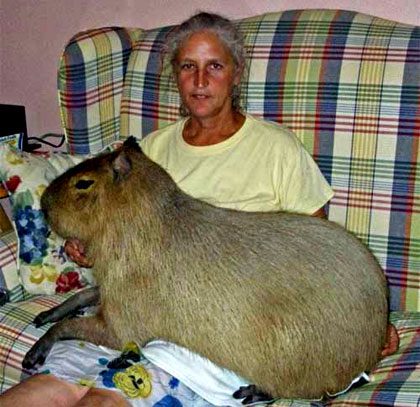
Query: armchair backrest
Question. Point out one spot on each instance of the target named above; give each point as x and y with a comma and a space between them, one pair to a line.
346, 83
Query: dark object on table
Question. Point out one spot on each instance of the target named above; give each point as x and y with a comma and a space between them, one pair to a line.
13, 121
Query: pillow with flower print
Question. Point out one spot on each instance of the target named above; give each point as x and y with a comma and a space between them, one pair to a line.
43, 265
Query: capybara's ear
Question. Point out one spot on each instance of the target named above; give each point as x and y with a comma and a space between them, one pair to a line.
132, 142
121, 166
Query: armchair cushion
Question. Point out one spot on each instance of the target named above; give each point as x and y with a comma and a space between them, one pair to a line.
10, 286
18, 334
394, 382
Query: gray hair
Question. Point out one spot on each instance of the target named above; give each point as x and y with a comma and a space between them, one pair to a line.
226, 32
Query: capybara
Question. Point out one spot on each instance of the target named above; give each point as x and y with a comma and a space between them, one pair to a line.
293, 303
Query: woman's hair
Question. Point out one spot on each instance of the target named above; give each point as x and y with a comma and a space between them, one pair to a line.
226, 32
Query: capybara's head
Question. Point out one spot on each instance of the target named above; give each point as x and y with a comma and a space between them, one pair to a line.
107, 191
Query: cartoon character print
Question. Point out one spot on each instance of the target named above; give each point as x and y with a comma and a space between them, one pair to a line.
134, 382
126, 374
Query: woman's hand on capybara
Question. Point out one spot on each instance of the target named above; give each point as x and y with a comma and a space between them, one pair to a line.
75, 250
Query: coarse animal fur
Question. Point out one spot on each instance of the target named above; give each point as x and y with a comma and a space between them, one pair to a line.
293, 303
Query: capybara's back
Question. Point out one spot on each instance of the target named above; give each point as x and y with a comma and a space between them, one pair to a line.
293, 303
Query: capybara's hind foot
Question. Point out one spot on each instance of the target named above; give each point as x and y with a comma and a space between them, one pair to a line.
37, 354
251, 394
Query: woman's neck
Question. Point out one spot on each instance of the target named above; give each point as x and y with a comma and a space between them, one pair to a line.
213, 130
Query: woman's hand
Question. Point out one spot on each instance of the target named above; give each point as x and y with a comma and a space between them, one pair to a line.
75, 249
392, 341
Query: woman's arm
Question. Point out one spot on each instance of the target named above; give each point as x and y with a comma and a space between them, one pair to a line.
320, 213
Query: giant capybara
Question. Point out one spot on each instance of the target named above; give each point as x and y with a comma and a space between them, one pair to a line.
293, 303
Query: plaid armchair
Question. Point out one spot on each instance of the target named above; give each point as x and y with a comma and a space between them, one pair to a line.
346, 83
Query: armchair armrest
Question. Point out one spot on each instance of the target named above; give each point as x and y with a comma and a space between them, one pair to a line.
90, 83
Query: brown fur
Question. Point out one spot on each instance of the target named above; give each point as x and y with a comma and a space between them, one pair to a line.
293, 303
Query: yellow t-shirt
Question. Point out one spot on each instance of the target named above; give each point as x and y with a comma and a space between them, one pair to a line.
262, 167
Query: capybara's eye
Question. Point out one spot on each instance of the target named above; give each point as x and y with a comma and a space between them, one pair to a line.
84, 183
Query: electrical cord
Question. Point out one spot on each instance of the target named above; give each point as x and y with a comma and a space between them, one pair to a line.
39, 141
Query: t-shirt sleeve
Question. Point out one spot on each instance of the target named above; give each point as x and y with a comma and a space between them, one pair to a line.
302, 188
154, 147
145, 144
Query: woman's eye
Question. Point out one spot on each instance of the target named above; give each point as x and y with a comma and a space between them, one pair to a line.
216, 66
187, 66
83, 184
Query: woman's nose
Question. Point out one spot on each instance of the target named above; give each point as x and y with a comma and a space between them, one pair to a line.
201, 80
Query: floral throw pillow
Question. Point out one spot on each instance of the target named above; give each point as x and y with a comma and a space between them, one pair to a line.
44, 267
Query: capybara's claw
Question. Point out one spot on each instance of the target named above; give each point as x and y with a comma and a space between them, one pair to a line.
251, 394
36, 355
42, 318
242, 392
30, 360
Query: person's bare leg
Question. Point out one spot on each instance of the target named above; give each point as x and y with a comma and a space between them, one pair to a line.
103, 398
43, 390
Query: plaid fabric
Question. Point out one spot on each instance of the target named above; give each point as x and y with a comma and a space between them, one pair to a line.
348, 85
18, 334
150, 98
9, 278
90, 83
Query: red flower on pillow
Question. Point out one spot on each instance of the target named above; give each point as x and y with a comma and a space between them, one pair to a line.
12, 183
67, 282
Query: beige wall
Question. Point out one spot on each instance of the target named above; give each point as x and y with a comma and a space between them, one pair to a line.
33, 33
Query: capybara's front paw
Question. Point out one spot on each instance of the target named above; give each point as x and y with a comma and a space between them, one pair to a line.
36, 355
54, 315
251, 394
43, 318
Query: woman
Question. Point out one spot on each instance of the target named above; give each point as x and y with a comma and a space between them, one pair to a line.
217, 153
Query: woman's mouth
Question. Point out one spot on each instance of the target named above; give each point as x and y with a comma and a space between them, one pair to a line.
200, 96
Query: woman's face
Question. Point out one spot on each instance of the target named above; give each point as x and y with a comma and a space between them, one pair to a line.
205, 74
